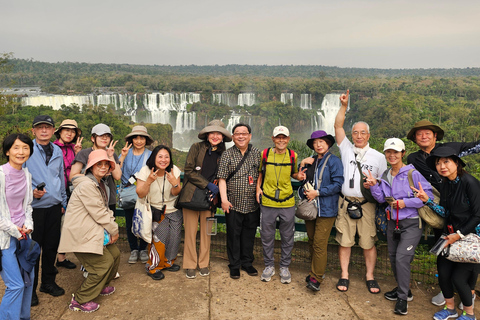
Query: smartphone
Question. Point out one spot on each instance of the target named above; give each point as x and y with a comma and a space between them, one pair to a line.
40, 186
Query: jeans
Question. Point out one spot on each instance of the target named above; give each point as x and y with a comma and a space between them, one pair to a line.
17, 298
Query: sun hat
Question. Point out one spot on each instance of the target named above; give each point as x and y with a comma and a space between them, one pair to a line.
442, 152
215, 126
281, 130
394, 144
43, 119
97, 156
69, 124
320, 134
101, 129
140, 131
425, 124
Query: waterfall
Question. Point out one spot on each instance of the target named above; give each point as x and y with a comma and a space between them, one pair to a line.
287, 98
224, 98
246, 99
56, 101
306, 101
328, 112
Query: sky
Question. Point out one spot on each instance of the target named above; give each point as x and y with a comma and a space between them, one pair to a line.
343, 33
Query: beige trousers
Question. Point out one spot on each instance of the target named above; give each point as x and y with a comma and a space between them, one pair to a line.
190, 225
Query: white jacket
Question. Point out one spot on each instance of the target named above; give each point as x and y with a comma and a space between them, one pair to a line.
7, 227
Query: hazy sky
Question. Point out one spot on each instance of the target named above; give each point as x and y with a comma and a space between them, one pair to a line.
344, 33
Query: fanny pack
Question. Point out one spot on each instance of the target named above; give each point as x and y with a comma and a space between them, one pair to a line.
354, 208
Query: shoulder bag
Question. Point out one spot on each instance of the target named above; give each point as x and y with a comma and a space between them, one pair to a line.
142, 220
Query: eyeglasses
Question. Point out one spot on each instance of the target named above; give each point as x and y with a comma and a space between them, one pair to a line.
241, 134
102, 164
359, 133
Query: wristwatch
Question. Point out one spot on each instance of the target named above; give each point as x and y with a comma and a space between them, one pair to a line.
175, 186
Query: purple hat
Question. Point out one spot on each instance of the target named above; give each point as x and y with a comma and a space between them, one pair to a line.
320, 134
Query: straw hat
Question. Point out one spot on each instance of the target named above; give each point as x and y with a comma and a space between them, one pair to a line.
140, 131
97, 156
215, 126
69, 124
425, 124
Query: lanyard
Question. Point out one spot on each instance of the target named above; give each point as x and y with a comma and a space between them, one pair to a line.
275, 167
397, 215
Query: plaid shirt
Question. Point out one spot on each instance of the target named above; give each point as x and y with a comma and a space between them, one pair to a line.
240, 192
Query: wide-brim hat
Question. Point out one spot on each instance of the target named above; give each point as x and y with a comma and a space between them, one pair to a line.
215, 126
140, 131
442, 152
425, 124
97, 156
68, 124
320, 134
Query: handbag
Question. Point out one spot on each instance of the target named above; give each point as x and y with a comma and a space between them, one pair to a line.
127, 197
307, 210
200, 200
466, 250
142, 220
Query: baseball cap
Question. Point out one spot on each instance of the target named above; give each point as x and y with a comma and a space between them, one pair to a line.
43, 119
394, 144
101, 129
281, 130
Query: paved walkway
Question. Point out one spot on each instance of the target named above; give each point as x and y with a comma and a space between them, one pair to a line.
219, 297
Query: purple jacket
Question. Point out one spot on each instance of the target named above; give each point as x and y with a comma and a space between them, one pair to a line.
400, 190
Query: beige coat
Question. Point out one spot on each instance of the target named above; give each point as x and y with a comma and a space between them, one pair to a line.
86, 217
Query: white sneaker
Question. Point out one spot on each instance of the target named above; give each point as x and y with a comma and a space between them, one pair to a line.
267, 273
460, 306
285, 276
439, 299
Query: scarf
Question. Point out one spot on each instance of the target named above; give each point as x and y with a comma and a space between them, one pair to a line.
360, 152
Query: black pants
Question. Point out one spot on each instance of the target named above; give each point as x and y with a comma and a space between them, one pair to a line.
241, 229
460, 275
134, 242
46, 231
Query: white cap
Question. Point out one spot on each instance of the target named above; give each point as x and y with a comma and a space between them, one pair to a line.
101, 129
281, 130
394, 144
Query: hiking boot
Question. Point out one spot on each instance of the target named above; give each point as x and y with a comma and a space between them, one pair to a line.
191, 274
144, 256
401, 307
157, 275
268, 273
133, 256
460, 305
52, 289
439, 299
445, 314
34, 299
107, 291
204, 272
66, 264
393, 295
313, 284
86, 307
285, 276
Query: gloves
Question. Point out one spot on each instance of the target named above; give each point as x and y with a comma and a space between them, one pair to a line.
213, 189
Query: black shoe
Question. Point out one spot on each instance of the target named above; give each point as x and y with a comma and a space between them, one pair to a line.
307, 279
173, 268
157, 275
235, 273
34, 299
313, 284
66, 264
393, 295
401, 307
55, 270
52, 289
251, 271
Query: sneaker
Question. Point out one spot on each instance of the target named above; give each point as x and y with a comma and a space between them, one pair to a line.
460, 306
268, 273
393, 295
172, 268
464, 316
157, 275
133, 256
66, 264
144, 256
52, 289
204, 272
191, 274
285, 276
34, 299
313, 284
439, 299
445, 314
401, 307
107, 291
86, 307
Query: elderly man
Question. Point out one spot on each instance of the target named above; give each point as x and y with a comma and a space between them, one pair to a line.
426, 134
356, 158
237, 174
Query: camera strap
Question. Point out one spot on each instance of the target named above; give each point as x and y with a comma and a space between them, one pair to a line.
397, 215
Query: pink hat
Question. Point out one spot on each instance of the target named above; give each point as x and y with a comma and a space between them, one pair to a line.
97, 156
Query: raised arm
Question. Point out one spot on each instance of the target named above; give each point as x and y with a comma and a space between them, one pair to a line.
340, 118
